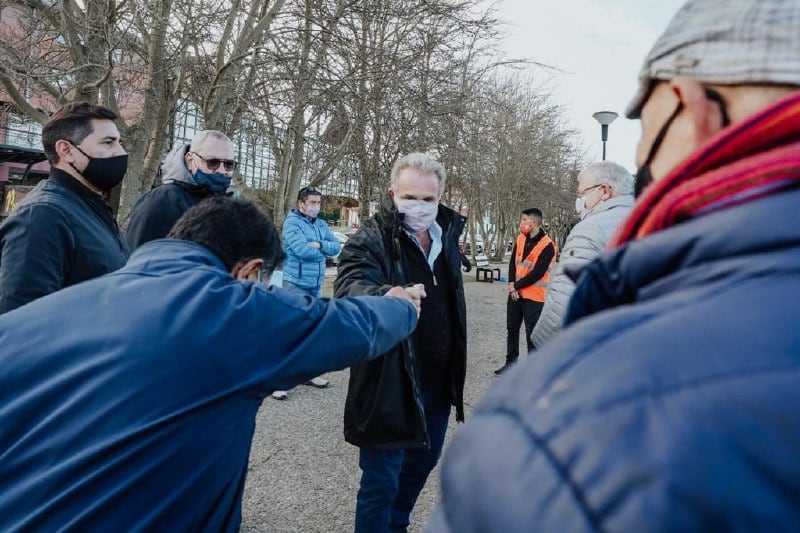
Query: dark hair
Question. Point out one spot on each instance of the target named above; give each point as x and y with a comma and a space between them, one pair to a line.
305, 192
72, 123
234, 229
533, 212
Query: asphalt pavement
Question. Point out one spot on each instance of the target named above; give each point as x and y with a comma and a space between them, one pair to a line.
304, 477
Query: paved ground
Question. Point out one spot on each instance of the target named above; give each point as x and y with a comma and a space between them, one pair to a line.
303, 476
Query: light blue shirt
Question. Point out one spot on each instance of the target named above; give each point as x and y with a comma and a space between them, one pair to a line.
435, 232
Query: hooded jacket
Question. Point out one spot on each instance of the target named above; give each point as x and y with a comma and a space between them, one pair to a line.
586, 241
672, 407
383, 408
304, 265
129, 401
157, 210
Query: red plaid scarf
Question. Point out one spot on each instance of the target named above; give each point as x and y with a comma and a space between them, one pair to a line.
755, 158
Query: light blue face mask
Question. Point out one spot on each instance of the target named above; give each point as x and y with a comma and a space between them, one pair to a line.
216, 183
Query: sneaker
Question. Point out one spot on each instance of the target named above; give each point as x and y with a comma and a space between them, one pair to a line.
318, 382
503, 368
280, 395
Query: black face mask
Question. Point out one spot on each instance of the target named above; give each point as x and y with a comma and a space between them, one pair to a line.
643, 175
105, 173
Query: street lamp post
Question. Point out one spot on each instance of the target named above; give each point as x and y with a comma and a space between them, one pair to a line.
604, 118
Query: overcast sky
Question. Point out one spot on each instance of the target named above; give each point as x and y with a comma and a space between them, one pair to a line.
600, 46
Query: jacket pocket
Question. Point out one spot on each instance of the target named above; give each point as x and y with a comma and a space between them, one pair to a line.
381, 406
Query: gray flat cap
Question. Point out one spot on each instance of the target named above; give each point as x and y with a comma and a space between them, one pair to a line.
726, 42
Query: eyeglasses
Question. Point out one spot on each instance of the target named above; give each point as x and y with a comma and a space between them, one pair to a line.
213, 163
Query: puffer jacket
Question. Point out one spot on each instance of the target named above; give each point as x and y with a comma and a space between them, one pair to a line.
383, 408
586, 241
668, 403
157, 210
304, 265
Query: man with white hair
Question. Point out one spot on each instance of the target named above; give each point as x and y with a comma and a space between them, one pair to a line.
670, 400
398, 407
605, 196
190, 173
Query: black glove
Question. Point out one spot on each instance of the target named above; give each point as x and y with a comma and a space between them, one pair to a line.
465, 263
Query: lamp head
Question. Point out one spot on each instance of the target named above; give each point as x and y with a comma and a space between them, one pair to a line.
605, 117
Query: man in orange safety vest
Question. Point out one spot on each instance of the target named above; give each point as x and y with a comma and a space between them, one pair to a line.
528, 273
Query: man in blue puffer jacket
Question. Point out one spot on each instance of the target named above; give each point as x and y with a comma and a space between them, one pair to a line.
670, 400
307, 241
129, 401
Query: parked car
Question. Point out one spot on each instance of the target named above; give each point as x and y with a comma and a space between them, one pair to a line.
334, 259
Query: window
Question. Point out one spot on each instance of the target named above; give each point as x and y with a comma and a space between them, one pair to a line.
24, 132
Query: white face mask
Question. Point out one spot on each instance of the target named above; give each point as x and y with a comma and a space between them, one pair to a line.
580, 203
312, 211
418, 215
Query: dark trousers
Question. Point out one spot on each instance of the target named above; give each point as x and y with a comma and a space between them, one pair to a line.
516, 312
391, 480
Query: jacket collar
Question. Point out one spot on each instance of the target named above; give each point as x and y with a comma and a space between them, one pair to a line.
166, 255
65, 179
740, 242
625, 200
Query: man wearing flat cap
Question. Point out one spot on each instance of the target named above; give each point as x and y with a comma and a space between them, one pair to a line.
670, 400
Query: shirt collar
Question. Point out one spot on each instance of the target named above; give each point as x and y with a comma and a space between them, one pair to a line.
435, 231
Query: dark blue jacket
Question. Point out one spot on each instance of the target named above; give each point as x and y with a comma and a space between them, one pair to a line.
62, 233
129, 402
670, 403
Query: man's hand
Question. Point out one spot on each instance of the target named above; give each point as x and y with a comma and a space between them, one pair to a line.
315, 244
514, 293
413, 293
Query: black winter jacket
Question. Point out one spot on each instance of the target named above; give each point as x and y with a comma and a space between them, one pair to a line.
383, 408
62, 233
157, 211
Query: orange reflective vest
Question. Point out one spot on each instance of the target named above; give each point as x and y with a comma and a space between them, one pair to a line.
523, 267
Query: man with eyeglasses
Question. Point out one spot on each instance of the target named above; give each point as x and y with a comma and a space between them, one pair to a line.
670, 400
605, 197
190, 173
306, 241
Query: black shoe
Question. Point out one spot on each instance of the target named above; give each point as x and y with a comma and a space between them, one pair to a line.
505, 367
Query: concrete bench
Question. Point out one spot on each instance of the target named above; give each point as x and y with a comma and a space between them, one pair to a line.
483, 271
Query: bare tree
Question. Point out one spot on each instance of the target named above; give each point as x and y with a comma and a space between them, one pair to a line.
516, 153
337, 87
136, 57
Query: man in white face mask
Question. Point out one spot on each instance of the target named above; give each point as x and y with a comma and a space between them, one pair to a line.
307, 241
604, 200
398, 406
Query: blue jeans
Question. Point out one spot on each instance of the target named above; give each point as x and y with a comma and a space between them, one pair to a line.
315, 292
391, 480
